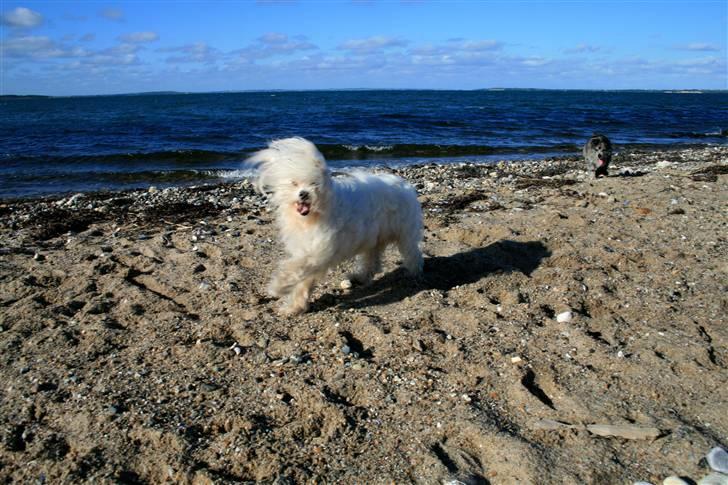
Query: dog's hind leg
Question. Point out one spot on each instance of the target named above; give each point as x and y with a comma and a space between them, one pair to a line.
409, 248
368, 264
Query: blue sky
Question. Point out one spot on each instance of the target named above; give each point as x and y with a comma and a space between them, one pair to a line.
86, 47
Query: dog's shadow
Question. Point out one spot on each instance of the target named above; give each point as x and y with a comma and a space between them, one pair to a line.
444, 273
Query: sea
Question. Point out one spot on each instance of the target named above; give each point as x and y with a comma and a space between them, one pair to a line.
57, 145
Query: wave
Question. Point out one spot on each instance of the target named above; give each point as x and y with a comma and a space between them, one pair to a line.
182, 158
408, 150
162, 177
720, 133
197, 162
176, 157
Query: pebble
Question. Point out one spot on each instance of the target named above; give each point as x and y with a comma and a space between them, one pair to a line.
564, 317
204, 286
627, 431
346, 350
345, 284
714, 479
38, 257
674, 480
718, 459
642, 483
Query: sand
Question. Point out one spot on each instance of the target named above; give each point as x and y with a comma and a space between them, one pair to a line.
138, 346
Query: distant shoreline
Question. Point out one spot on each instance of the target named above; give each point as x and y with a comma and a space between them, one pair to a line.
8, 97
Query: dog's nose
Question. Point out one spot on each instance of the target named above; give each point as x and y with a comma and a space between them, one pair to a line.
303, 194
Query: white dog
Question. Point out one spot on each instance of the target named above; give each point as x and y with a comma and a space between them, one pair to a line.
325, 220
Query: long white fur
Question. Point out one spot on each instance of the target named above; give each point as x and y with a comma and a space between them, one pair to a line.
358, 214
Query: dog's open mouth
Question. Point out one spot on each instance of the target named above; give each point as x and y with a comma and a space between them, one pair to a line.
602, 162
303, 208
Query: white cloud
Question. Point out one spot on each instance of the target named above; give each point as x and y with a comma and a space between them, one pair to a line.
583, 49
273, 38
36, 47
22, 17
699, 47
272, 45
139, 37
112, 14
481, 45
372, 44
198, 52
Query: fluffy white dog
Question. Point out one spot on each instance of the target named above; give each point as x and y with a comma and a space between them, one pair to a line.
325, 220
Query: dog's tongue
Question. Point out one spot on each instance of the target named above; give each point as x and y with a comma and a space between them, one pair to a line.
303, 208
601, 162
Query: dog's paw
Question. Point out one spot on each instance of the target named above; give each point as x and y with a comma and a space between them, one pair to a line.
274, 290
291, 310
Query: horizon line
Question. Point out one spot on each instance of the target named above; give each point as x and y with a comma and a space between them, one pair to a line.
494, 89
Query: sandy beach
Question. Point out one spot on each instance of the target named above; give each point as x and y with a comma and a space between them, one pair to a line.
566, 330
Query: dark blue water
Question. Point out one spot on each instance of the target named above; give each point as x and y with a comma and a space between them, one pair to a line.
56, 145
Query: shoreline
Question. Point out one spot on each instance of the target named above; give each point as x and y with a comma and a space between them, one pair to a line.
138, 343
368, 157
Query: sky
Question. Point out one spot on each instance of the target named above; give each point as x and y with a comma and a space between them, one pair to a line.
86, 47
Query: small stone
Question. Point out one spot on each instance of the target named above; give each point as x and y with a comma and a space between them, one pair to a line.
204, 286
642, 483
345, 284
199, 268
718, 459
466, 398
714, 479
674, 480
564, 317
153, 189
346, 350
515, 359
38, 257
627, 431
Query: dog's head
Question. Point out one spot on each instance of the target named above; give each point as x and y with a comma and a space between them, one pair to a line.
602, 148
294, 173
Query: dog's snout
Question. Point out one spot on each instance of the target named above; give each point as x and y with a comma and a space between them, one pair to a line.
304, 194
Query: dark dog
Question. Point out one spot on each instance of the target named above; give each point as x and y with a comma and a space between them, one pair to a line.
598, 154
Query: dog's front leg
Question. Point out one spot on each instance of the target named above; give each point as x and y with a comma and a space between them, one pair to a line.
285, 278
293, 282
297, 301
